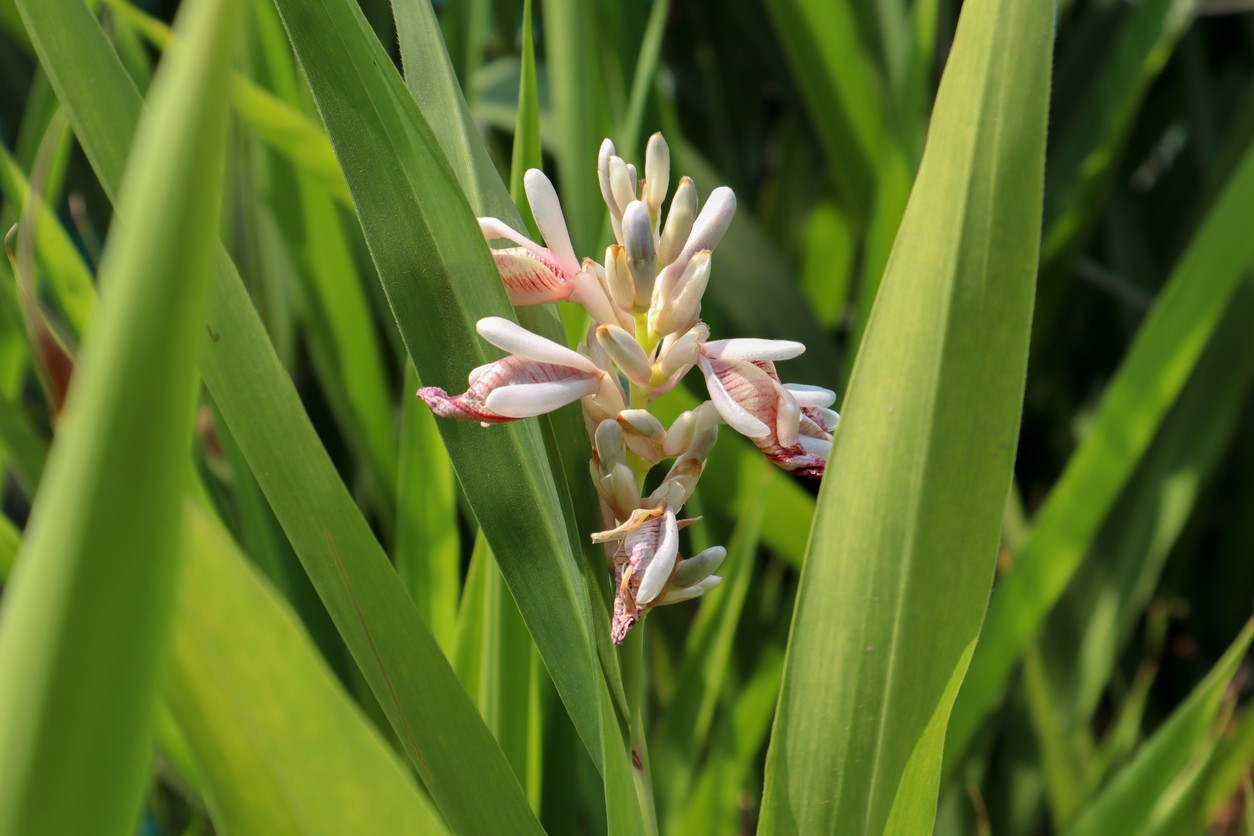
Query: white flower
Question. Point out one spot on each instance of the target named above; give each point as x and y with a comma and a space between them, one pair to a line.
533, 274
745, 389
539, 377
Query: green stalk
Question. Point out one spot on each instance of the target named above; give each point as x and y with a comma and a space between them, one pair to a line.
633, 684
633, 645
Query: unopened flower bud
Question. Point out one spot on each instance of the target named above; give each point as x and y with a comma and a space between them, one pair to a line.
603, 177
618, 277
687, 427
676, 594
707, 231
678, 355
643, 422
679, 220
622, 183
643, 433
699, 567
676, 307
641, 256
626, 354
657, 172
610, 448
681, 481
618, 488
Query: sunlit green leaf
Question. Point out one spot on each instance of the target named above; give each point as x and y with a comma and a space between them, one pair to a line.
910, 509
84, 622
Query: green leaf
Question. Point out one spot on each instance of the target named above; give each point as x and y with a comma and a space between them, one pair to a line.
750, 288
430, 79
68, 277
433, 86
576, 84
1141, 794
25, 449
1154, 371
718, 793
840, 86
414, 213
278, 745
428, 547
10, 542
1093, 130
1228, 767
642, 82
909, 514
708, 652
1108, 594
85, 618
435, 721
527, 152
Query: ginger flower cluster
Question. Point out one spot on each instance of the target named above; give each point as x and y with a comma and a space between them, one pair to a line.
646, 334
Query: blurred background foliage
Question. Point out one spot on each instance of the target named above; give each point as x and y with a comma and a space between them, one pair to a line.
816, 114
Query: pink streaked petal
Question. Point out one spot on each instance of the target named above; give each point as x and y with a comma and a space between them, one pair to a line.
798, 462
525, 400
530, 279
508, 372
743, 394
444, 406
547, 210
754, 349
658, 571
494, 228
512, 337
828, 419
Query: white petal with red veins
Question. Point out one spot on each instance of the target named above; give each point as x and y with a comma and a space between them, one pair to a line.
737, 417
512, 337
547, 210
493, 228
525, 400
658, 572
530, 279
830, 418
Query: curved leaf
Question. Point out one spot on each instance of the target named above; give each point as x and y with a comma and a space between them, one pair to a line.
894, 586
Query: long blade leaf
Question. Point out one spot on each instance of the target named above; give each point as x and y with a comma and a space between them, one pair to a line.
901, 555
85, 620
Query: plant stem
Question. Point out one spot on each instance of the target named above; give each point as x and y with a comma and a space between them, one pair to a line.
633, 683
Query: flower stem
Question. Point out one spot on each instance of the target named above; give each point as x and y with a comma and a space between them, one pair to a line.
633, 683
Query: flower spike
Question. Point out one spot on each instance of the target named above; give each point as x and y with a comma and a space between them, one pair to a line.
646, 335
